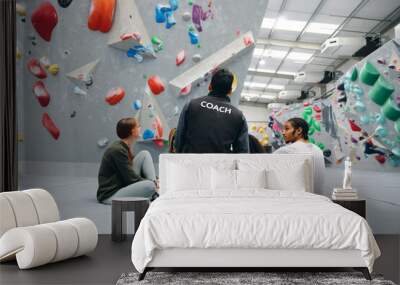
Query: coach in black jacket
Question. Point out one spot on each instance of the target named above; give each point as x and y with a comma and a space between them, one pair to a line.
210, 124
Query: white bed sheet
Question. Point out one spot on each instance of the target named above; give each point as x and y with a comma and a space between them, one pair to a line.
252, 218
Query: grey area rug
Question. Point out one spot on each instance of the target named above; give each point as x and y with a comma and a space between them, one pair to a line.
229, 278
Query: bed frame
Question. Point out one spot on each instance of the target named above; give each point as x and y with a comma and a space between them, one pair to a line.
242, 259
250, 258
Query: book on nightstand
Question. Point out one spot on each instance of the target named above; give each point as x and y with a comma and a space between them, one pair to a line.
344, 194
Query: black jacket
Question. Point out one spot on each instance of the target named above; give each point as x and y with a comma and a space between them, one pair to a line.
210, 124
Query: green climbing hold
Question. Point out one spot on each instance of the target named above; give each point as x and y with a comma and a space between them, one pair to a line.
320, 145
391, 111
397, 126
190, 2
369, 74
317, 125
354, 74
308, 110
311, 131
198, 46
311, 140
381, 91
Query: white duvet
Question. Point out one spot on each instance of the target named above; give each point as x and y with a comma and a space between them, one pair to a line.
250, 219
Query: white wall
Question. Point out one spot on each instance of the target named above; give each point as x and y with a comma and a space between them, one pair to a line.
253, 113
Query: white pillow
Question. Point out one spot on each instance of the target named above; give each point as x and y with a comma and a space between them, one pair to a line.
251, 178
223, 179
182, 177
282, 174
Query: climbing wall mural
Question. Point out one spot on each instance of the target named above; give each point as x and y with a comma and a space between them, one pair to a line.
362, 117
87, 64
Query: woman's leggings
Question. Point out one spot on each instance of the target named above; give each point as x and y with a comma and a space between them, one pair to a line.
143, 165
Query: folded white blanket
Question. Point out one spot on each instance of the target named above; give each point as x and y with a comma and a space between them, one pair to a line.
254, 218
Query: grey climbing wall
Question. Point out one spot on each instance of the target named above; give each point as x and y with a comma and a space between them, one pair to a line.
83, 120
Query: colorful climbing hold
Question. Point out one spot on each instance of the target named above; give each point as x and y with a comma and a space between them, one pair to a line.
159, 44
316, 108
79, 91
44, 19
194, 37
137, 105
354, 74
198, 16
51, 127
155, 84
180, 58
381, 91
359, 107
369, 74
354, 127
101, 15
148, 134
391, 110
36, 69
115, 95
54, 69
380, 158
41, 93
186, 90
248, 41
381, 131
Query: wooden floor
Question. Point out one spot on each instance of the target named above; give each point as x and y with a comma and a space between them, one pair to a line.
110, 260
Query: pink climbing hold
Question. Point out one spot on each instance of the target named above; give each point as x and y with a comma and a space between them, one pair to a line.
36, 68
134, 36
44, 19
39, 89
354, 127
180, 58
306, 104
248, 41
186, 90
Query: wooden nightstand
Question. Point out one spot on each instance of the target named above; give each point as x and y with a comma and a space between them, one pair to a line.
357, 206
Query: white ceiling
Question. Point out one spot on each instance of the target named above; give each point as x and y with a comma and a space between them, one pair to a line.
338, 18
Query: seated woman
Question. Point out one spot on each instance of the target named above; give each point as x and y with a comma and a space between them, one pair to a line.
122, 174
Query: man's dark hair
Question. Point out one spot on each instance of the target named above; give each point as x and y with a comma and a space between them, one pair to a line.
299, 123
221, 82
125, 126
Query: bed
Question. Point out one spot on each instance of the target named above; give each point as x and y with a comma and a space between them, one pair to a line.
244, 210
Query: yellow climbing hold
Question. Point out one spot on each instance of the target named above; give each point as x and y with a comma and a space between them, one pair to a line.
54, 69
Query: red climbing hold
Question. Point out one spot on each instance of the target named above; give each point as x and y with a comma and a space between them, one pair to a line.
44, 19
318, 117
115, 95
317, 108
48, 123
39, 89
354, 127
36, 69
305, 104
159, 143
101, 15
380, 158
157, 125
155, 84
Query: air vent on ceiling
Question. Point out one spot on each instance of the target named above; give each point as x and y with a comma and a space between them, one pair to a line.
342, 46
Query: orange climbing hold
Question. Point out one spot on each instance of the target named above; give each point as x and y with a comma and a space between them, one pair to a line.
101, 15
